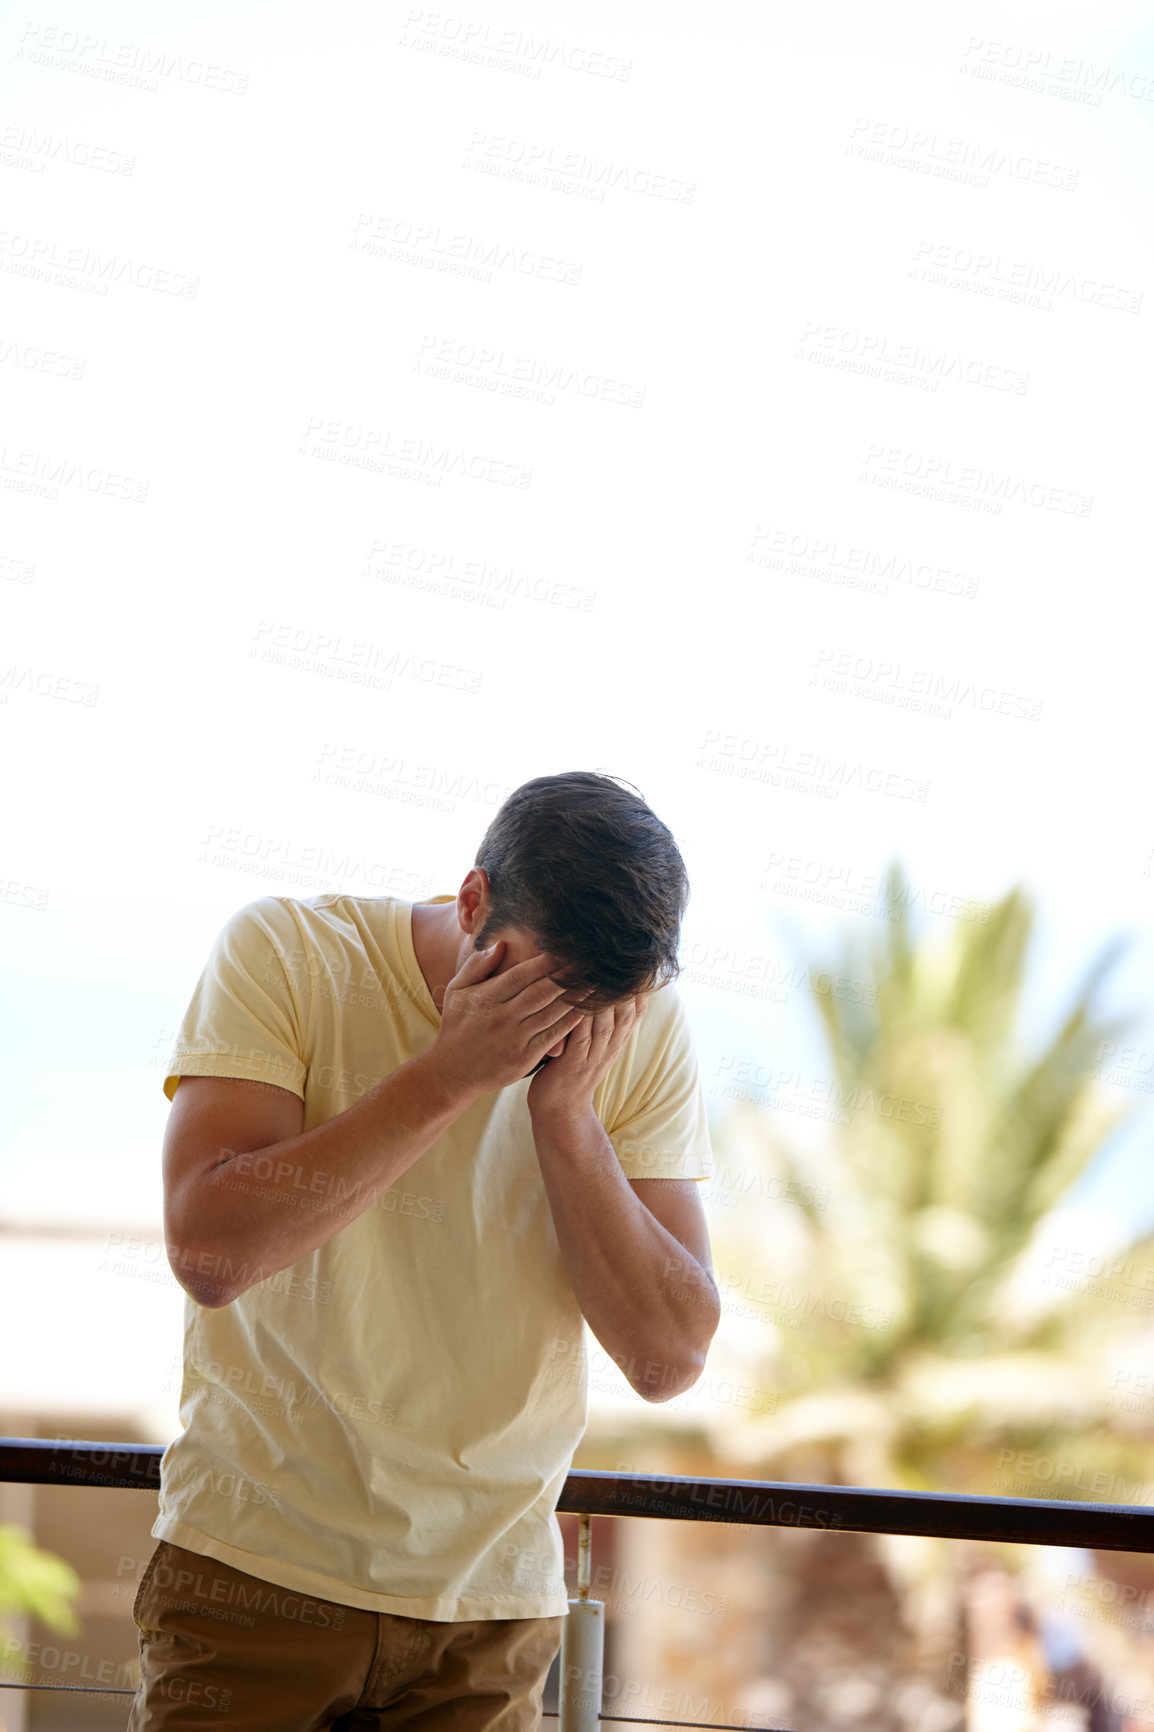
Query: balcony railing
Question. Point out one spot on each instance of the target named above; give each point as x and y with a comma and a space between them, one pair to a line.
753, 1503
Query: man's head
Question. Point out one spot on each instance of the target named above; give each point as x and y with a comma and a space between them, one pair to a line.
581, 863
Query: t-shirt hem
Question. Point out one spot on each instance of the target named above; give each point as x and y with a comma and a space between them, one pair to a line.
301, 1580
652, 1165
232, 1067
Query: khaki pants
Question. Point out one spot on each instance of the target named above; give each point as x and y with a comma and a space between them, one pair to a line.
210, 1656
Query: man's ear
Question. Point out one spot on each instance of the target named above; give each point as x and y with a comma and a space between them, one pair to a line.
474, 900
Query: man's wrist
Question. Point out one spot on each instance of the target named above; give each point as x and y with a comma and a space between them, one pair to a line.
445, 1094
561, 1120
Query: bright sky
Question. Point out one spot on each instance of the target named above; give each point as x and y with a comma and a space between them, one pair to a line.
402, 403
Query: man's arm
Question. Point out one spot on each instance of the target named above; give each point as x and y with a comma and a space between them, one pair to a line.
247, 1191
636, 1251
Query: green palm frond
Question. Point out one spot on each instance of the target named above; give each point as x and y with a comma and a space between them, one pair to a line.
988, 982
895, 956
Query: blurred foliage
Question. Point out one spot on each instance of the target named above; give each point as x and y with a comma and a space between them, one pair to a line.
909, 1348
37, 1584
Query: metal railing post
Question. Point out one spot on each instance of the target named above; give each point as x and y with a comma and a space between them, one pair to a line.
582, 1649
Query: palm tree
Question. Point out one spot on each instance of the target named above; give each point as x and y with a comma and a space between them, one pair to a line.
953, 1147
904, 1355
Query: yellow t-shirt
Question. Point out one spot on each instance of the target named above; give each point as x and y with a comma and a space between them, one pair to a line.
389, 1421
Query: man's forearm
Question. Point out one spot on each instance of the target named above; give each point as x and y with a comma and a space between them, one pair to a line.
649, 1302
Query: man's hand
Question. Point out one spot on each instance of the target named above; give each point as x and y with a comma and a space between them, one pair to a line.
495, 1028
563, 1089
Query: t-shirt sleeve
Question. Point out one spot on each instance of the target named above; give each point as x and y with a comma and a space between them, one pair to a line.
651, 1103
244, 1019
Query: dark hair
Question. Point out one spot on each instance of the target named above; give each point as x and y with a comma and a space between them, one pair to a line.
581, 862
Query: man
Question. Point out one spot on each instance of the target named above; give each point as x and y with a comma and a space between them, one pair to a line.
411, 1148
